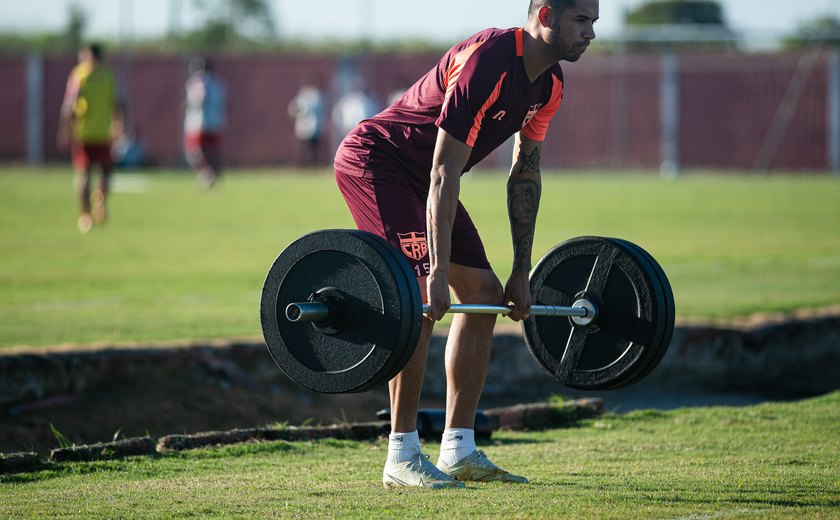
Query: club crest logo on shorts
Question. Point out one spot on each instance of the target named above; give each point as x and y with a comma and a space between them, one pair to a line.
413, 244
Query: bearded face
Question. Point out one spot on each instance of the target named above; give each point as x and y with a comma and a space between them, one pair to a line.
572, 30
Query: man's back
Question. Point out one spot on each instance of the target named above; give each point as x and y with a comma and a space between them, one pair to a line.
95, 98
478, 92
206, 98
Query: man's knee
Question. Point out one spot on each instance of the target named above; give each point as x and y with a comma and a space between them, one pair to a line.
479, 286
491, 291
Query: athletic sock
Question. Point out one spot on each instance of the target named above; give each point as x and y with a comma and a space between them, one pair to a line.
403, 446
456, 444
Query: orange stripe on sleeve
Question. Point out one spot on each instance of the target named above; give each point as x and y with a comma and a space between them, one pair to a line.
480, 115
538, 126
454, 70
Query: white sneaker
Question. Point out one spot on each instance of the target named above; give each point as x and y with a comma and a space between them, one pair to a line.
85, 223
478, 468
417, 472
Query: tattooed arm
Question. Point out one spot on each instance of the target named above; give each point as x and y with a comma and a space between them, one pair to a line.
523, 197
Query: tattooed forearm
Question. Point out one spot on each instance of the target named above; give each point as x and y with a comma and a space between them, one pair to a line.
529, 163
522, 254
523, 199
523, 203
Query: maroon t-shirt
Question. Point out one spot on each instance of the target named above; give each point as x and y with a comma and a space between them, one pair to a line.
479, 93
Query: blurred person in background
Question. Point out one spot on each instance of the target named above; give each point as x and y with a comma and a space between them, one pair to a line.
204, 120
127, 149
308, 109
91, 105
353, 106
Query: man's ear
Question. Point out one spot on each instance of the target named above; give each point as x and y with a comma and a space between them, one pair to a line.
546, 16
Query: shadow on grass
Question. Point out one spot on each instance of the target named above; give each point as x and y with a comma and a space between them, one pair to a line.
510, 442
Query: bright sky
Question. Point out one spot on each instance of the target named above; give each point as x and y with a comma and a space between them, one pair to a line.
440, 20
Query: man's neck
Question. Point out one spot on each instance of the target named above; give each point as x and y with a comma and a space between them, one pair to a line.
536, 54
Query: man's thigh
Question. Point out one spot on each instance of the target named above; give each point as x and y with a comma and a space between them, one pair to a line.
86, 155
397, 213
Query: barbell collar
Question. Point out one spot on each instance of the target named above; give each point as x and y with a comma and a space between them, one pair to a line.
307, 311
582, 311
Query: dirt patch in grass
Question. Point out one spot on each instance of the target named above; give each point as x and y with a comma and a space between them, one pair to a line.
99, 393
159, 391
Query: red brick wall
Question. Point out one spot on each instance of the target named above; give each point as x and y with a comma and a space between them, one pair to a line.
609, 117
728, 104
13, 108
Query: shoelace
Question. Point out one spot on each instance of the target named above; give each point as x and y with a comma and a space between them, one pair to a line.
482, 459
432, 470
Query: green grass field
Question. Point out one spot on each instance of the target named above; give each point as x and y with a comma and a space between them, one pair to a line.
175, 262
766, 461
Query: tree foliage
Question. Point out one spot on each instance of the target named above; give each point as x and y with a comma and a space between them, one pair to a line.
666, 12
687, 25
824, 30
68, 40
231, 22
76, 25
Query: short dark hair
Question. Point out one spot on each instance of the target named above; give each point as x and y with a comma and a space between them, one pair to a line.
95, 50
557, 5
199, 64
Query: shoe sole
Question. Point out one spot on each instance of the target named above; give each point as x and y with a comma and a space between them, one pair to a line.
469, 475
84, 224
437, 485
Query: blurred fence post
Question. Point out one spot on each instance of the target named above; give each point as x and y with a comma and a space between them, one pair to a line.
786, 110
669, 113
834, 112
35, 109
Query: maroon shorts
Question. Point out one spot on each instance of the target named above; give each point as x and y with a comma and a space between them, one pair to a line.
85, 155
397, 213
202, 141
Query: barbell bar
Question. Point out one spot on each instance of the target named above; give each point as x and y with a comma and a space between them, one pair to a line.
582, 312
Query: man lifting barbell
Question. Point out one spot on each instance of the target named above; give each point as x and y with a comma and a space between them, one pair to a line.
342, 310
399, 173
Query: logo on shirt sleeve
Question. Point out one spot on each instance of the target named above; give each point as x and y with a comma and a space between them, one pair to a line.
413, 244
531, 113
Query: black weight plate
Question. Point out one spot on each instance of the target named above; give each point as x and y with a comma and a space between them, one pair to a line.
607, 352
383, 375
660, 318
669, 311
414, 317
351, 359
413, 306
